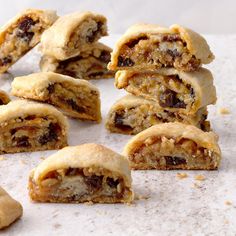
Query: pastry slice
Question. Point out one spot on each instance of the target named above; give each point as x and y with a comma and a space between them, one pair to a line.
185, 92
4, 98
131, 115
85, 173
10, 209
21, 34
171, 146
77, 98
72, 34
29, 126
91, 64
151, 47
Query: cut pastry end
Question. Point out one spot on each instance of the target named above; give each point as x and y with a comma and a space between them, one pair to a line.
132, 114
151, 47
4, 98
10, 209
77, 98
21, 34
173, 146
29, 126
184, 92
90, 64
77, 31
85, 173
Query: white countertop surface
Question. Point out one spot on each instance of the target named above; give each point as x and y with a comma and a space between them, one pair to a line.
171, 206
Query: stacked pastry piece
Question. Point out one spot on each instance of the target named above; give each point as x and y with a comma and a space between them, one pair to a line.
161, 69
70, 46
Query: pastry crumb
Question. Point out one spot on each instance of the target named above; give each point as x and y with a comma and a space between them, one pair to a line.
2, 158
224, 111
23, 162
130, 204
181, 175
42, 158
89, 203
226, 222
57, 225
200, 177
141, 197
228, 203
195, 185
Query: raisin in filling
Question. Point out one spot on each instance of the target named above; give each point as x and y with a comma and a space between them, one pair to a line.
132, 43
22, 141
1, 102
175, 161
74, 106
94, 33
24, 28
51, 134
93, 182
125, 62
6, 60
169, 99
112, 183
51, 88
105, 56
119, 123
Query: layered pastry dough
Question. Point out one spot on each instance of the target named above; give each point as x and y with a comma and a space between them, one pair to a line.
10, 209
90, 64
173, 90
4, 98
21, 34
150, 47
29, 126
77, 98
89, 172
72, 34
173, 146
131, 115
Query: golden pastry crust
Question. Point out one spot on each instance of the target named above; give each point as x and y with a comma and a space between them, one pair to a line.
4, 98
146, 46
91, 166
29, 126
21, 34
10, 209
173, 146
132, 114
77, 31
90, 64
173, 90
77, 98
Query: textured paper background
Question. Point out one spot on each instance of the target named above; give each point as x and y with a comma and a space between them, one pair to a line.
174, 207
209, 17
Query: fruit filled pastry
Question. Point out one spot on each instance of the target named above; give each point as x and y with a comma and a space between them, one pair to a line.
91, 64
173, 90
10, 209
29, 126
21, 34
173, 146
85, 173
77, 98
4, 98
72, 33
150, 47
131, 115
